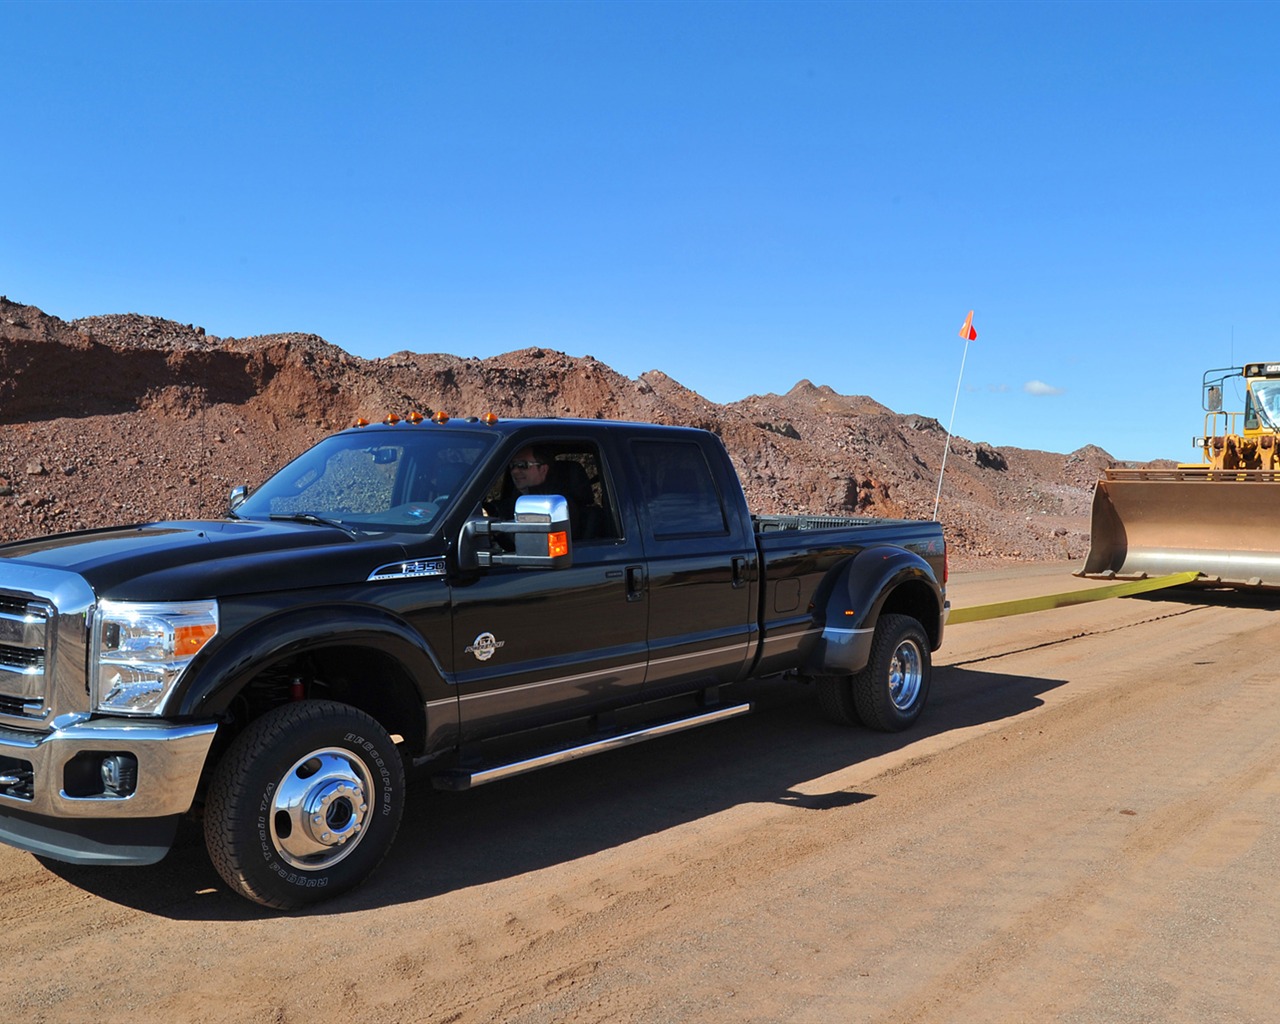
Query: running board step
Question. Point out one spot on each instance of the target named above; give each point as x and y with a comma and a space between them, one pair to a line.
463, 778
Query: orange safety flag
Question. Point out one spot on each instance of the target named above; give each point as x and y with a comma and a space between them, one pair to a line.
967, 332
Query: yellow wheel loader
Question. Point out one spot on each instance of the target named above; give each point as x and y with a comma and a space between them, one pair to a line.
1219, 517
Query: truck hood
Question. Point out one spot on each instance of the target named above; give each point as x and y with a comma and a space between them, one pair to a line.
173, 561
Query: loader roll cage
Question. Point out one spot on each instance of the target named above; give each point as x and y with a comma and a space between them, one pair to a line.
1261, 402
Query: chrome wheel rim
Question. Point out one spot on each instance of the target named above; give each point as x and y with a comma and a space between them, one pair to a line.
319, 809
906, 675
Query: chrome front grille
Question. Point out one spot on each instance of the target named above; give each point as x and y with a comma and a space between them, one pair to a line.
16, 707
24, 660
27, 629
44, 616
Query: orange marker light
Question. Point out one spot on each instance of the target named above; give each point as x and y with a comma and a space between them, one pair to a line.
391, 420
489, 419
361, 422
415, 417
440, 416
557, 544
187, 640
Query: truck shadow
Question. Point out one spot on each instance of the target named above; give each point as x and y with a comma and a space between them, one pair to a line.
451, 841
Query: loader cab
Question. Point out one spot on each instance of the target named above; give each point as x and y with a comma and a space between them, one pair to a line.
1242, 440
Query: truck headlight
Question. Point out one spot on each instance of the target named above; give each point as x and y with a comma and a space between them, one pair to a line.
140, 650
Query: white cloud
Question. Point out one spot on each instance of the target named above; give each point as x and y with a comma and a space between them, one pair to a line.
1039, 387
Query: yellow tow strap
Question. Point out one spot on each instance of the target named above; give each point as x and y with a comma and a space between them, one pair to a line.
1039, 604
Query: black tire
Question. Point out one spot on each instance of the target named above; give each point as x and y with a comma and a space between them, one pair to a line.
304, 805
835, 700
891, 691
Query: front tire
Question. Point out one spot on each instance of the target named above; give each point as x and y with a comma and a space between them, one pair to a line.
304, 805
891, 691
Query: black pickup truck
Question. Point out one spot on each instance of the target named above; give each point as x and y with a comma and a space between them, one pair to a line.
389, 605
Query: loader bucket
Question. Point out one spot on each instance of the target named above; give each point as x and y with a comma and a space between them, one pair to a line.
1222, 524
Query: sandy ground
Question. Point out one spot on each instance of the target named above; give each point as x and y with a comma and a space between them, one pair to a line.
1083, 828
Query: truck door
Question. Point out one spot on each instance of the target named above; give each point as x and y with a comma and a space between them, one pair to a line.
533, 646
700, 570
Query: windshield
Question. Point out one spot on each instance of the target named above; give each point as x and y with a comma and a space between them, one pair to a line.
1266, 404
402, 480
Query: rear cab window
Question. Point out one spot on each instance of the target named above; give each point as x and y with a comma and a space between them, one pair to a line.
678, 491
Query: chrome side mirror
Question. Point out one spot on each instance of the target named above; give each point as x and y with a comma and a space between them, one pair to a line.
539, 534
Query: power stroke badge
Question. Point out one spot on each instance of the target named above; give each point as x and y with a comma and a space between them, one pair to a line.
484, 645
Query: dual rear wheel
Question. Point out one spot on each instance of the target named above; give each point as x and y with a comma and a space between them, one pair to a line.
890, 693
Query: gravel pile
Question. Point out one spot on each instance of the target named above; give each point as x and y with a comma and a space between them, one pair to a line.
131, 418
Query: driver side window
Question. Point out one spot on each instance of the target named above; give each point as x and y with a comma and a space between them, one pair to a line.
573, 469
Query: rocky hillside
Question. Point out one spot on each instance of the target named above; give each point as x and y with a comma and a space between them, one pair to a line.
130, 418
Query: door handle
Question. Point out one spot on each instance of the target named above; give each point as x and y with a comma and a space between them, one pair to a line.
635, 582
739, 572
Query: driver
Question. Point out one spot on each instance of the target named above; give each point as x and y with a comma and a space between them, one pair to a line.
529, 469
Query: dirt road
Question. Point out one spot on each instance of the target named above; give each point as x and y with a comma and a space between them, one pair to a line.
1084, 828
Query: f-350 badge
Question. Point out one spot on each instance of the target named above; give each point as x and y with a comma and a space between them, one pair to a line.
484, 645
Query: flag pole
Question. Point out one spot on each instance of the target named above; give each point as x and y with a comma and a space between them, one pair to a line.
969, 334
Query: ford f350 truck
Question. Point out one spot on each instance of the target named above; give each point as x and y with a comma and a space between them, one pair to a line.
388, 606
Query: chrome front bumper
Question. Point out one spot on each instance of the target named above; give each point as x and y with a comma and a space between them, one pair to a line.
46, 778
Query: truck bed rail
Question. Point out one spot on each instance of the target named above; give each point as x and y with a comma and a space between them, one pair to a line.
772, 524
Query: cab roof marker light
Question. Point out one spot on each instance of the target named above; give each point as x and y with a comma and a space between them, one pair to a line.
440, 416
392, 419
361, 422
415, 417
489, 419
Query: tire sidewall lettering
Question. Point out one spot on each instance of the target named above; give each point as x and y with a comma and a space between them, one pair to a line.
375, 760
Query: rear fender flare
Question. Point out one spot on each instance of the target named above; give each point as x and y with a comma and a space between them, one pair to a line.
879, 576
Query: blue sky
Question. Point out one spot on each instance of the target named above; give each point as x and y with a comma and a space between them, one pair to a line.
741, 195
